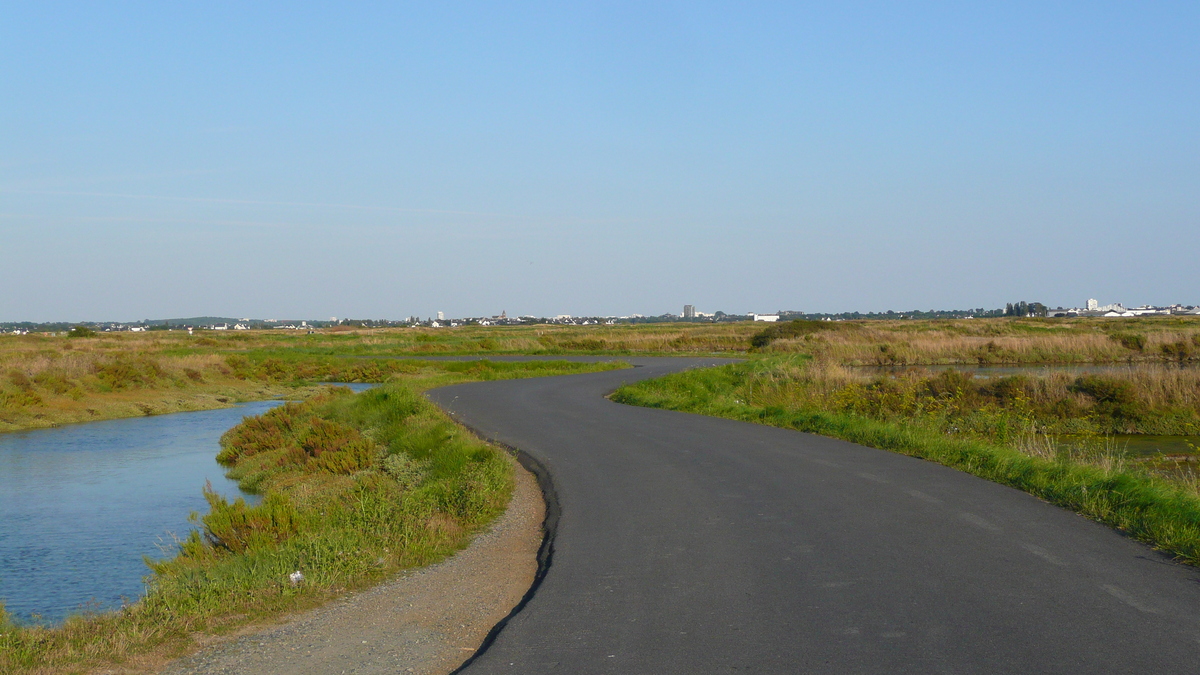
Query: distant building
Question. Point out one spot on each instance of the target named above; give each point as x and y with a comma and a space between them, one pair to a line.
764, 317
689, 311
1092, 305
441, 316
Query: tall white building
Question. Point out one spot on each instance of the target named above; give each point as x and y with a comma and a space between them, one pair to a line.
1092, 305
689, 311
441, 316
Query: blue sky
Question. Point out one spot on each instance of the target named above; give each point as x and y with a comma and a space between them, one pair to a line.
381, 160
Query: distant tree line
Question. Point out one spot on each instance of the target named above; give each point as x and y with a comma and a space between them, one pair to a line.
1018, 309
892, 315
1023, 308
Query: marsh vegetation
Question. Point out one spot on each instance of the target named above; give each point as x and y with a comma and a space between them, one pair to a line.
987, 341
48, 380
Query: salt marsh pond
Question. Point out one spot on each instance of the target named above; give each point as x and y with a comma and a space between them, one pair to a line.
81, 504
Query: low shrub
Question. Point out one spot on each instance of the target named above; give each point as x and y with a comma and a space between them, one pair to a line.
129, 372
1133, 341
235, 527
20, 380
1114, 398
792, 329
1181, 350
21, 398
53, 381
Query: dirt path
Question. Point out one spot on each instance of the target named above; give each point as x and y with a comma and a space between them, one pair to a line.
428, 621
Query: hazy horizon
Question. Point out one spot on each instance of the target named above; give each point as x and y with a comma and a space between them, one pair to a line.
513, 315
594, 159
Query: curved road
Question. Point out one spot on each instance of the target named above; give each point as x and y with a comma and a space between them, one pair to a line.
689, 544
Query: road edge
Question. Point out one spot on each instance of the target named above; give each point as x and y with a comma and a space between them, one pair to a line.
545, 555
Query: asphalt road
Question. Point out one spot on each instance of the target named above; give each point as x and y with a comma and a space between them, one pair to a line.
689, 544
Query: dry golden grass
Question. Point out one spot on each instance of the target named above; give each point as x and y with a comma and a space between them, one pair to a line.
46, 383
794, 384
982, 341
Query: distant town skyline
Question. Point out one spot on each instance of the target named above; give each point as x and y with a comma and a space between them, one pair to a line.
1090, 307
384, 160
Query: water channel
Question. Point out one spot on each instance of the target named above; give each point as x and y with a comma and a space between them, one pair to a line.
81, 504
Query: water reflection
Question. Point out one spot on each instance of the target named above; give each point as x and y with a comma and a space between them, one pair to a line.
81, 504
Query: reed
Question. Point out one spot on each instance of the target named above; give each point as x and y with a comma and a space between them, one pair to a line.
993, 341
1147, 399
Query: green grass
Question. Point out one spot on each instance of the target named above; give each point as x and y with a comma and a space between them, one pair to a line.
1154, 509
1149, 399
356, 487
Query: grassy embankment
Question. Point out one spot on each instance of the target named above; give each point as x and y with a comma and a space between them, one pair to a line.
355, 488
48, 381
1002, 429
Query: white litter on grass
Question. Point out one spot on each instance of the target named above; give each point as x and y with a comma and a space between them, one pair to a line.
295, 577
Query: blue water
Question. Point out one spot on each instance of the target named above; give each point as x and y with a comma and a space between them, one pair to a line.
81, 504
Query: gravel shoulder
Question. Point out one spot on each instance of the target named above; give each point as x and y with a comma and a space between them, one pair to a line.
426, 621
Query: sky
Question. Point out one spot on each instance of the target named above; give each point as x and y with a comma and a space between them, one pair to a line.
380, 160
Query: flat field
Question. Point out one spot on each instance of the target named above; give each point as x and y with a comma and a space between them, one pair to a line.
49, 380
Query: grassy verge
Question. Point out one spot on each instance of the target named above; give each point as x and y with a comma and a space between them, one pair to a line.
355, 487
1159, 510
